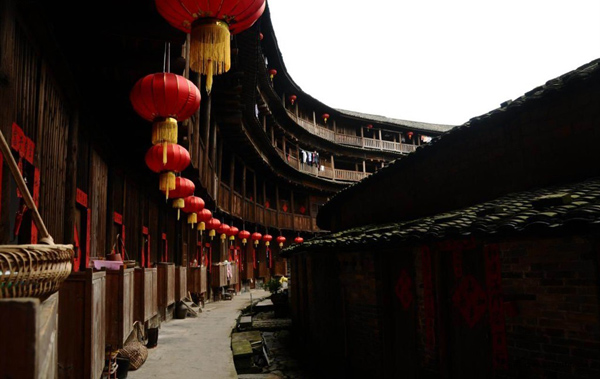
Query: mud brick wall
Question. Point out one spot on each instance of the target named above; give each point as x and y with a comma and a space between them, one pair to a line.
552, 314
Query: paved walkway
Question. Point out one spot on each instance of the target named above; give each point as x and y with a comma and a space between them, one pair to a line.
197, 347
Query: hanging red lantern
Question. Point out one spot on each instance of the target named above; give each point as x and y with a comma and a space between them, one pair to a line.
183, 188
302, 209
370, 126
272, 73
298, 239
165, 98
409, 134
193, 205
233, 231
210, 24
222, 231
292, 99
212, 225
281, 240
178, 160
244, 235
203, 217
325, 117
267, 238
261, 36
256, 238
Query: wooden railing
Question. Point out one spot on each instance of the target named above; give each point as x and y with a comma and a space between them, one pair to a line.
346, 139
327, 172
352, 176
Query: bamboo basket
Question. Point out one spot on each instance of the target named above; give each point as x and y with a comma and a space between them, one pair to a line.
35, 270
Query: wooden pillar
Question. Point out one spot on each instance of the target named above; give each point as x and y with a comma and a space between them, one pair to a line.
195, 131
380, 141
333, 166
364, 166
273, 137
264, 123
244, 215
71, 180
205, 114
293, 206
296, 108
362, 136
334, 127
218, 168
314, 119
277, 202
231, 182
284, 149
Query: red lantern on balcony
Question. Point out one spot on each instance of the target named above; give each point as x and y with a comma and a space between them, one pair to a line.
193, 205
302, 209
163, 99
370, 126
272, 73
210, 24
292, 99
222, 231
281, 240
256, 238
212, 225
409, 134
203, 217
244, 235
178, 158
267, 238
183, 188
233, 231
325, 117
298, 239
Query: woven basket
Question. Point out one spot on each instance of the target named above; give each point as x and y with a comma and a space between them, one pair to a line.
33, 270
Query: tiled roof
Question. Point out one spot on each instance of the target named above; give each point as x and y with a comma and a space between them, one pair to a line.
546, 208
423, 126
586, 72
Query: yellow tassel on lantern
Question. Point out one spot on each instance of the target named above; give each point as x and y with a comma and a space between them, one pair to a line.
201, 226
167, 182
267, 243
178, 203
212, 233
164, 131
210, 48
223, 236
244, 241
192, 218
231, 238
255, 243
280, 244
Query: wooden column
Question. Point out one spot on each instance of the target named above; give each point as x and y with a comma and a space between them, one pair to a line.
293, 206
212, 177
364, 166
380, 141
277, 202
205, 115
244, 215
218, 169
314, 119
334, 127
362, 136
231, 182
284, 149
71, 179
273, 137
332, 167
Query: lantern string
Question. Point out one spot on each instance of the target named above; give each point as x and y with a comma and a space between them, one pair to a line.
167, 58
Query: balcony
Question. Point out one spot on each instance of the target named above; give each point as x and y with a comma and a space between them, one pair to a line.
344, 139
326, 173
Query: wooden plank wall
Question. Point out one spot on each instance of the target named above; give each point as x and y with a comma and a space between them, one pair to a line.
98, 203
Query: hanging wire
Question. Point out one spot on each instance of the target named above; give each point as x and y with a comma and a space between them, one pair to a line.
167, 58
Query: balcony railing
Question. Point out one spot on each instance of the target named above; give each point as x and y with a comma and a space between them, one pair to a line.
326, 172
346, 139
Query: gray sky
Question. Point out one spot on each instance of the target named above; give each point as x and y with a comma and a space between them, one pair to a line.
431, 60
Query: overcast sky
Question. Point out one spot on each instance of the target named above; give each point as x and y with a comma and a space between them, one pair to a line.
431, 60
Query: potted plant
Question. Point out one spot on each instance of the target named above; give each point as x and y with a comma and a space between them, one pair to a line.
278, 297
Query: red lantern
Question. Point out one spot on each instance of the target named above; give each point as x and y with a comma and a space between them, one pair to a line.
284, 207
222, 231
210, 24
298, 239
261, 36
272, 73
302, 209
369, 126
292, 98
233, 231
183, 188
244, 235
193, 205
256, 238
409, 134
178, 158
325, 117
203, 217
165, 98
212, 225
267, 238
280, 240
